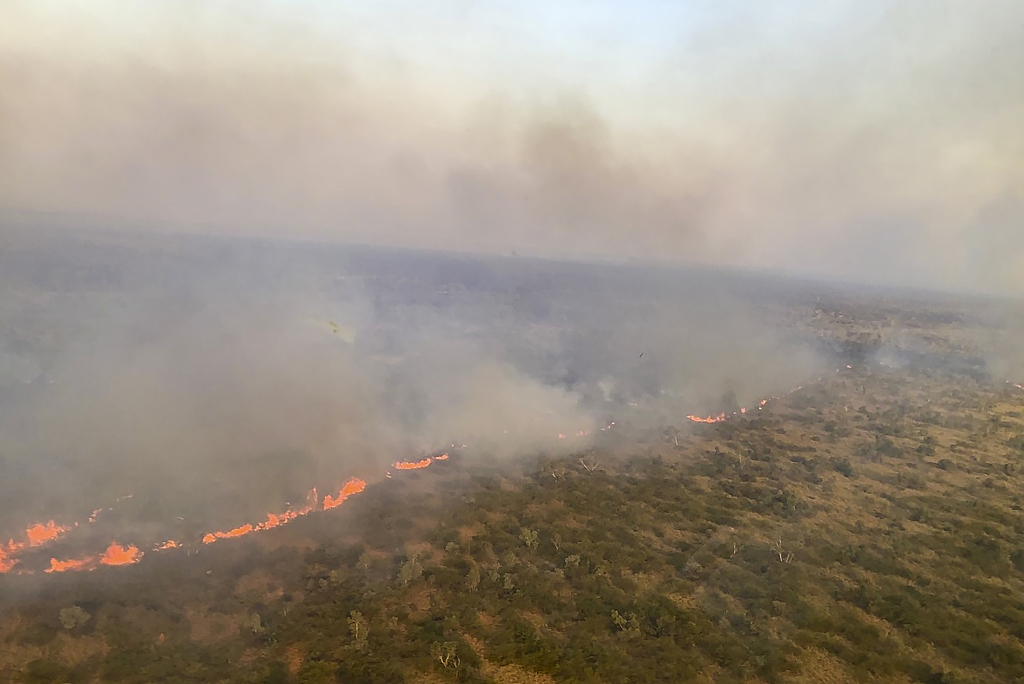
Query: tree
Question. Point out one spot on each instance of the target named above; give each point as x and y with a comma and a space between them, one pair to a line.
255, 623
446, 654
410, 571
630, 624
473, 578
357, 626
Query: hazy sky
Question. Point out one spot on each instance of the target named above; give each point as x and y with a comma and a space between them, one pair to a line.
878, 141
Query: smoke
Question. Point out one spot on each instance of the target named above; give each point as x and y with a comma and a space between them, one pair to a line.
878, 145
215, 380
214, 401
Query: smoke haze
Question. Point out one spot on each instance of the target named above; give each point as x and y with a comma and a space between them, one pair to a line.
215, 380
878, 144
226, 346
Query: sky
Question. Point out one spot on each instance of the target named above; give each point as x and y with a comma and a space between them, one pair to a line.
879, 142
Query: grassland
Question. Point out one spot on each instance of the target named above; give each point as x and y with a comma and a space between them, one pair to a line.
866, 528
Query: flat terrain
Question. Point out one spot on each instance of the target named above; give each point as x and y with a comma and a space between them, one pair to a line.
865, 527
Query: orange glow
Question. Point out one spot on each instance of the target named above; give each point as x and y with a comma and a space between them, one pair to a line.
95, 514
6, 561
73, 564
119, 555
169, 544
353, 486
412, 465
278, 519
708, 419
40, 533
442, 457
239, 531
561, 435
211, 537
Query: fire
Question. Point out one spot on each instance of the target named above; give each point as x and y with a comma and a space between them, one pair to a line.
120, 555
722, 416
116, 554
413, 465
41, 533
416, 465
353, 486
73, 564
6, 561
707, 419
211, 537
273, 520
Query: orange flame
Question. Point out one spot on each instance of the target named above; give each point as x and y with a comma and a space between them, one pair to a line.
6, 561
413, 465
211, 537
707, 419
41, 533
119, 555
72, 564
353, 486
115, 554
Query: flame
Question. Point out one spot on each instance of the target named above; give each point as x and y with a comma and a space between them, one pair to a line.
6, 561
211, 537
116, 554
708, 419
353, 486
72, 564
40, 533
120, 555
413, 465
